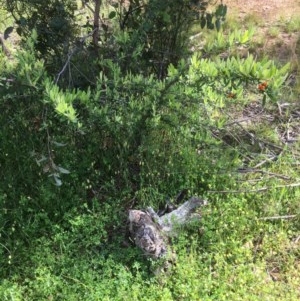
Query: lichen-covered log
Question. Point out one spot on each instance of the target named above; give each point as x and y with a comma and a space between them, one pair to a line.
147, 234
150, 232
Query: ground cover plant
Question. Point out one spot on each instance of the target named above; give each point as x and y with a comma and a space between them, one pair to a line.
169, 98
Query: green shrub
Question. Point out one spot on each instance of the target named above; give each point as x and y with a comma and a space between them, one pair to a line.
53, 21
74, 160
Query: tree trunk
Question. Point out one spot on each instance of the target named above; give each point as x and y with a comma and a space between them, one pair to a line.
96, 23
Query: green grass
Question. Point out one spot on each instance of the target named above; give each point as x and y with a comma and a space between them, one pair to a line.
235, 256
292, 25
274, 31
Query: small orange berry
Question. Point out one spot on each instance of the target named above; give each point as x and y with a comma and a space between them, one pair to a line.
231, 95
262, 86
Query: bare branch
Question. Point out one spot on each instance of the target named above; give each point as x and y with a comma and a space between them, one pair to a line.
278, 217
266, 161
254, 170
73, 51
255, 190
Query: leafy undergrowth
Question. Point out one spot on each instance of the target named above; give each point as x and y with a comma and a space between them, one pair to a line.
213, 127
234, 254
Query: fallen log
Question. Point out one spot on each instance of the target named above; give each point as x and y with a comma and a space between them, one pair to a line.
151, 232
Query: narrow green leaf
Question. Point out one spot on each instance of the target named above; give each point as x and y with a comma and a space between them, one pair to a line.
59, 144
218, 24
63, 170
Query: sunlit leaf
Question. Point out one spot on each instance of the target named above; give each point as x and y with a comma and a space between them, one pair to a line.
57, 180
59, 144
63, 170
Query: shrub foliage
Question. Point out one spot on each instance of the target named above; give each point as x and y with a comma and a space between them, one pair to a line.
129, 124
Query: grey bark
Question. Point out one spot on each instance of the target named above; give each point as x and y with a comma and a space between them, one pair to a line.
150, 232
96, 22
4, 48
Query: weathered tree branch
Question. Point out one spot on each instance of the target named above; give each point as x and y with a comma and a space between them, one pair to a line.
72, 52
262, 189
270, 218
147, 234
150, 232
96, 23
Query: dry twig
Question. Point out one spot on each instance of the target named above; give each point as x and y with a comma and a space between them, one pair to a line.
262, 189
72, 52
268, 218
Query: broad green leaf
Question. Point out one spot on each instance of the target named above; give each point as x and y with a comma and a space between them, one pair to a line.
112, 14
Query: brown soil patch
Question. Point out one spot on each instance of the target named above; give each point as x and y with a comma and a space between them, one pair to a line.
267, 14
268, 10
283, 47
